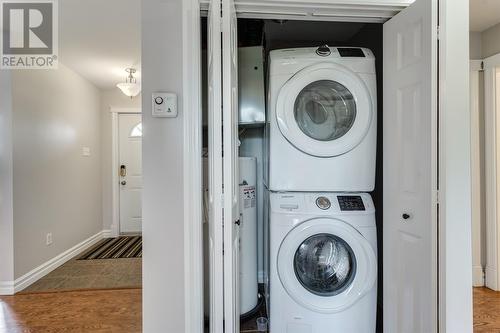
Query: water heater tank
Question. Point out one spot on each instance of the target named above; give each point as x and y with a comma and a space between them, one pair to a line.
248, 235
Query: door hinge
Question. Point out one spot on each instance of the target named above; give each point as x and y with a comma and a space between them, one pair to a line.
438, 32
436, 196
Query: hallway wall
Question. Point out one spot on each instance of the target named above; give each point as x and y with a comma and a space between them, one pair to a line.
56, 188
6, 194
475, 45
484, 44
491, 41
478, 173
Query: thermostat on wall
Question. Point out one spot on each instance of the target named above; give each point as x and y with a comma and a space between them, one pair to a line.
164, 105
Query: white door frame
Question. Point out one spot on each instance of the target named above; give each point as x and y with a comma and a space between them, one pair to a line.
115, 162
454, 196
193, 168
455, 297
492, 172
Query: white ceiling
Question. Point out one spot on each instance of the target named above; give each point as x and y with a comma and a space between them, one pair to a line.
100, 38
484, 14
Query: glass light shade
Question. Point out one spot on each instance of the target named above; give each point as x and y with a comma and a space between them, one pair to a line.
129, 89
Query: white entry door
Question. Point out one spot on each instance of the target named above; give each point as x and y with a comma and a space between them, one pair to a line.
410, 170
130, 172
231, 167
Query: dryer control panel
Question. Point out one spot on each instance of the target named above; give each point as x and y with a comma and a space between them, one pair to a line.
350, 202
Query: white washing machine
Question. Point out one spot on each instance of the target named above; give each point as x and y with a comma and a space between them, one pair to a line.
323, 263
322, 122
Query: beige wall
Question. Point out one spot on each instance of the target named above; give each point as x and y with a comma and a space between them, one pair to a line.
475, 47
56, 189
478, 217
484, 44
491, 41
478, 176
112, 98
6, 194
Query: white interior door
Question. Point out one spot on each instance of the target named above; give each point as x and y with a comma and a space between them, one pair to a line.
410, 167
130, 162
492, 170
231, 167
215, 172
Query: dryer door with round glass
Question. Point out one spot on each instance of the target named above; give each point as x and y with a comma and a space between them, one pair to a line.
326, 265
324, 110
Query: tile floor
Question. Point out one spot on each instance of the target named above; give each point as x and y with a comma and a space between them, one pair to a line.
91, 274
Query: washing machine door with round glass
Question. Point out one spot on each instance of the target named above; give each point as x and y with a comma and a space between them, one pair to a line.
326, 265
324, 110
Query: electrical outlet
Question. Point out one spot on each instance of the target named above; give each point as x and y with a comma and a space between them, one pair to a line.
49, 238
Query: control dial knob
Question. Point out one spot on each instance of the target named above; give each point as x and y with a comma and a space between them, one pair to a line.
323, 203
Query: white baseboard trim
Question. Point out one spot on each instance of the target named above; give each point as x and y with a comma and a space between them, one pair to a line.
48, 266
6, 288
107, 233
490, 278
477, 276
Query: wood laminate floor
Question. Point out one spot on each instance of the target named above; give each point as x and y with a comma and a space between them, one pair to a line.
96, 311
120, 311
486, 311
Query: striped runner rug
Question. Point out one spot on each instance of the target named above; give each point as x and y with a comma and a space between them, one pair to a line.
114, 248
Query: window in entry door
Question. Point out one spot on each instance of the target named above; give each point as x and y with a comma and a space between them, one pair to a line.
136, 131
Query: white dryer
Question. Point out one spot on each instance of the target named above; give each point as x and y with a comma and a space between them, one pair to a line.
322, 120
323, 263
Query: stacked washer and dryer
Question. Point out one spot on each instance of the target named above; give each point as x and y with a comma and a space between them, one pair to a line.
321, 139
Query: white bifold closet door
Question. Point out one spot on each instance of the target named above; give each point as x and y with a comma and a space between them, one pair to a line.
224, 214
231, 167
410, 170
215, 171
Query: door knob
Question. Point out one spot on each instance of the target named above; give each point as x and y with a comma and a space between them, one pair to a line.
123, 182
237, 222
406, 216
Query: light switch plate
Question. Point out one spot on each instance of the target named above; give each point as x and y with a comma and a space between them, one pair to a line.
164, 105
86, 151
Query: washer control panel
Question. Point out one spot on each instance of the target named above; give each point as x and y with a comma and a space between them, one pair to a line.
351, 203
323, 203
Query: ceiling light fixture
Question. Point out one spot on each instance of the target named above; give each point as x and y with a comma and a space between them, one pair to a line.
130, 87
